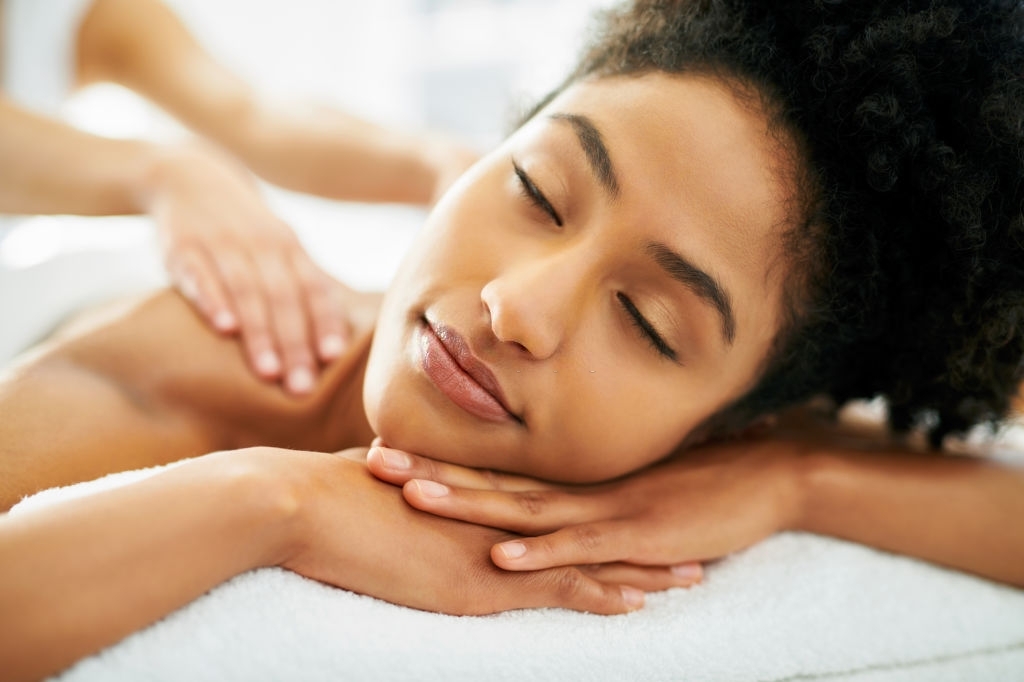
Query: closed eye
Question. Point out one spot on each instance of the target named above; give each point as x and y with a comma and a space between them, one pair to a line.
534, 195
646, 329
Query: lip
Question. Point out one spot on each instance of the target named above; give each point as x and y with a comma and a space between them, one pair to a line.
459, 375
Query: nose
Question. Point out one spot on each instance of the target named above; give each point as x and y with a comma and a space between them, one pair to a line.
534, 304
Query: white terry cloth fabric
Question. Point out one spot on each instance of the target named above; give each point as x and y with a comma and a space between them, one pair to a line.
39, 50
795, 607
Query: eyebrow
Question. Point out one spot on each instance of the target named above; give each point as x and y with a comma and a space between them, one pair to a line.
698, 281
594, 148
678, 268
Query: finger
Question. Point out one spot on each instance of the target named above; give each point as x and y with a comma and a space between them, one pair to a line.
569, 588
196, 278
590, 543
288, 323
527, 512
331, 329
398, 466
236, 271
646, 578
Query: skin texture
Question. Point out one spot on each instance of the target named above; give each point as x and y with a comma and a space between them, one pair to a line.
540, 303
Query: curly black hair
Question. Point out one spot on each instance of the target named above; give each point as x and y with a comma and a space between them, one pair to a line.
910, 243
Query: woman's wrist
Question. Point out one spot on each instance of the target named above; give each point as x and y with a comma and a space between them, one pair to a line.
808, 470
265, 505
166, 170
789, 466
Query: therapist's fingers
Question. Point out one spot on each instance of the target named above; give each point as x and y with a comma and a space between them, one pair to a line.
193, 274
288, 322
646, 578
240, 280
398, 466
330, 326
527, 512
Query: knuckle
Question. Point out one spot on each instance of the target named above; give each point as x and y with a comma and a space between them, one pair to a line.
532, 502
568, 584
492, 478
587, 538
427, 467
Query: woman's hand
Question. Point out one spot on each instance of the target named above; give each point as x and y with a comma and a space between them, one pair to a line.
356, 532
697, 506
242, 267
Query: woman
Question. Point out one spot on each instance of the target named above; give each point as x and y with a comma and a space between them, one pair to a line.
724, 212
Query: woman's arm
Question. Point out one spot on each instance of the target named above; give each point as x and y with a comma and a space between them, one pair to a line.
82, 574
960, 512
703, 504
142, 45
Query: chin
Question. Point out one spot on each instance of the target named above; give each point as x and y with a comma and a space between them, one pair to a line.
401, 434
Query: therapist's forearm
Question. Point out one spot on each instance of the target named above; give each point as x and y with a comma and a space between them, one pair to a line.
143, 45
84, 573
955, 511
49, 167
323, 151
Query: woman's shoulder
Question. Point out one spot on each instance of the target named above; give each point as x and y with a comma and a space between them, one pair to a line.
159, 352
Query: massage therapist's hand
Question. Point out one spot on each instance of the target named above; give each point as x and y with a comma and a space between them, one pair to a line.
697, 506
242, 267
356, 532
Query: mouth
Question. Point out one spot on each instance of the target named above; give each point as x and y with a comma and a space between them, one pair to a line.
459, 375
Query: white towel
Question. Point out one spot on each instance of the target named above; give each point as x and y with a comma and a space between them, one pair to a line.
795, 607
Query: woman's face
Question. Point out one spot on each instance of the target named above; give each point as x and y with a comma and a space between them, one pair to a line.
593, 289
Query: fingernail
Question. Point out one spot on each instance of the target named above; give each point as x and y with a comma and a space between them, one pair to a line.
395, 459
267, 362
688, 572
432, 488
331, 346
513, 550
300, 380
224, 321
633, 597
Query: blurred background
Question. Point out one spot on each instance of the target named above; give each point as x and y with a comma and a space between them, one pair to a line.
466, 67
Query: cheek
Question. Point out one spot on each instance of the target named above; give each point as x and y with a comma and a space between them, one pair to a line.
602, 429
